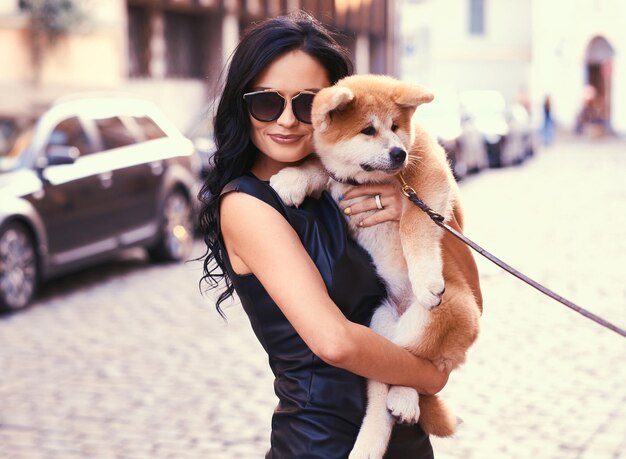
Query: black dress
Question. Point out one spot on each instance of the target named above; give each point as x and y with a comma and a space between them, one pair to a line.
320, 407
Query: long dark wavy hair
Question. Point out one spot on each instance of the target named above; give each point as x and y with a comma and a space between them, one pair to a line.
235, 155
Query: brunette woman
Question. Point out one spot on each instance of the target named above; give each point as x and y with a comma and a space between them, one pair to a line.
307, 287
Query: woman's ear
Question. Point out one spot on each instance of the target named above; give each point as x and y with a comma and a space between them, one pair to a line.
410, 96
327, 101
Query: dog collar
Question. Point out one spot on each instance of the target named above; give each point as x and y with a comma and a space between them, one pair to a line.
346, 181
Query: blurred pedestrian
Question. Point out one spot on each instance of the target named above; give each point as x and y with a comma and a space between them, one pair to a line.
547, 130
309, 290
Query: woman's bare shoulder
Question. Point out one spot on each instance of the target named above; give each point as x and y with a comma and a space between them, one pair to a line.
247, 210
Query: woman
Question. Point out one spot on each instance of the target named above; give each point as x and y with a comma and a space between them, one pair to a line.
307, 288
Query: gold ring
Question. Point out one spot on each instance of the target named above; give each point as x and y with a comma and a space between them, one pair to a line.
379, 204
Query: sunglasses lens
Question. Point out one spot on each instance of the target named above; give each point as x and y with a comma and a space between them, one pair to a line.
265, 106
302, 107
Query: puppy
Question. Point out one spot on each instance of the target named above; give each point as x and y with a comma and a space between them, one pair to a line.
364, 132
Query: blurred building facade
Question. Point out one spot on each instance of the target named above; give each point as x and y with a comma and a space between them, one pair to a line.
169, 51
465, 44
579, 59
173, 51
569, 50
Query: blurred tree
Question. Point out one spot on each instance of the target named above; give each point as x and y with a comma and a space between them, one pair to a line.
49, 21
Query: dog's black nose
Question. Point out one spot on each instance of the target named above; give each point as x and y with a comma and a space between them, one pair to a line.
397, 155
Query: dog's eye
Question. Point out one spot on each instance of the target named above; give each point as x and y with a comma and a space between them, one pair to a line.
394, 127
369, 130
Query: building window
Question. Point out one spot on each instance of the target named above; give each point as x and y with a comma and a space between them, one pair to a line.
477, 17
172, 42
138, 42
185, 38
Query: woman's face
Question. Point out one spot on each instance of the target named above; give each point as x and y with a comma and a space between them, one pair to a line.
286, 140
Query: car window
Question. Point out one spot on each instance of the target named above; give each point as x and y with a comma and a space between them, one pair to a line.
12, 146
114, 133
149, 128
70, 132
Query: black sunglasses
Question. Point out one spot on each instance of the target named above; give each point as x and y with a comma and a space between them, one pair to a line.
269, 104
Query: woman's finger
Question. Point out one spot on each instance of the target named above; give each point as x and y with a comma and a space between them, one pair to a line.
387, 207
369, 203
378, 217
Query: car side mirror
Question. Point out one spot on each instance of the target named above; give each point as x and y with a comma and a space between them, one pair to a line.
61, 154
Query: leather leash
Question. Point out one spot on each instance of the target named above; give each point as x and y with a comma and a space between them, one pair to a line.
439, 220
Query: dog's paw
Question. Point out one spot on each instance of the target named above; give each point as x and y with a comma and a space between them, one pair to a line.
429, 297
372, 448
430, 290
403, 403
291, 185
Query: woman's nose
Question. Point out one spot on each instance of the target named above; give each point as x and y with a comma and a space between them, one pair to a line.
287, 118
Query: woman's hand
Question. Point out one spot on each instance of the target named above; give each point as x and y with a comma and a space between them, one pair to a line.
390, 199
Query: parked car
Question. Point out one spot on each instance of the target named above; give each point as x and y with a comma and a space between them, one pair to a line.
93, 175
487, 109
460, 138
522, 130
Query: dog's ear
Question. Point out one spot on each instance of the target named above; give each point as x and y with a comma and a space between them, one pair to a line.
410, 96
327, 101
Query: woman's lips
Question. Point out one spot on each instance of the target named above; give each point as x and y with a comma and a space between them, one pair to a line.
285, 139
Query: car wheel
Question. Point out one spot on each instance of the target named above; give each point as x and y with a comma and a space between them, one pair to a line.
176, 232
494, 154
18, 266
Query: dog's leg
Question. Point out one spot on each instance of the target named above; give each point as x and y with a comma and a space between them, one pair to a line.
293, 184
373, 438
409, 330
421, 244
403, 402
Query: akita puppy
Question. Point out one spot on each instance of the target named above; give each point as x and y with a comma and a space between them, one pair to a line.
364, 132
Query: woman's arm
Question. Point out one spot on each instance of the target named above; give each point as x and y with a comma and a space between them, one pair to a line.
260, 241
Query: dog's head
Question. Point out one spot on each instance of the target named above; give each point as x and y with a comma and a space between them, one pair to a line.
362, 126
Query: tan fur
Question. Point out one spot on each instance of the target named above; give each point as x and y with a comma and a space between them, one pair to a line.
414, 257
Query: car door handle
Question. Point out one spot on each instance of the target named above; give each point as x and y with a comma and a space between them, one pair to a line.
106, 179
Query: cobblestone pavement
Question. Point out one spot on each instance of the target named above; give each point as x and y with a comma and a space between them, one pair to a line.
129, 361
